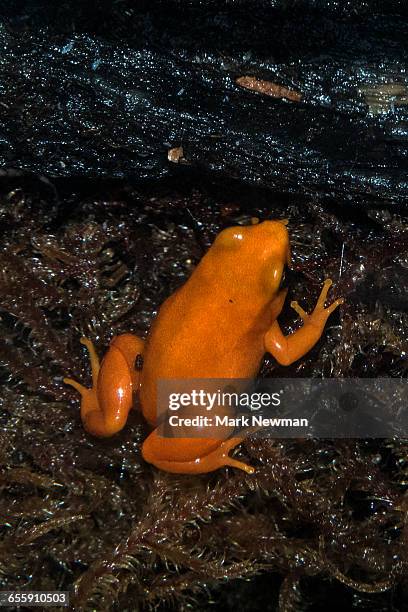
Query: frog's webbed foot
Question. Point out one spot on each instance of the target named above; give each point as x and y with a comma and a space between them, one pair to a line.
89, 399
95, 366
287, 349
223, 453
320, 314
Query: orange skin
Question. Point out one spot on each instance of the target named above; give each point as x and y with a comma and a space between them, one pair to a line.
219, 324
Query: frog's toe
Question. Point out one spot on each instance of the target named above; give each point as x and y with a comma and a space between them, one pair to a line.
73, 383
334, 305
302, 313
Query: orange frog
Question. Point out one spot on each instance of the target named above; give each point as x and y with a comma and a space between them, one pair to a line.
219, 324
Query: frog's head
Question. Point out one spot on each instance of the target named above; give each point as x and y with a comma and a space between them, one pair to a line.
254, 255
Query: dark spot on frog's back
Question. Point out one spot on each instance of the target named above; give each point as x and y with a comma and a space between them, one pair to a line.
139, 362
231, 301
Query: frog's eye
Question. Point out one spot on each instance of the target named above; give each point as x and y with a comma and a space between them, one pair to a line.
231, 237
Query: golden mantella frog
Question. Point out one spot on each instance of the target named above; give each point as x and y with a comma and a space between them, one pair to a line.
219, 324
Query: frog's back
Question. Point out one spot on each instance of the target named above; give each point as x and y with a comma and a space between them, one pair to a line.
200, 332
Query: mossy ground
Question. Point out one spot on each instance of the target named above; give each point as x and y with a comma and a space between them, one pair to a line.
320, 521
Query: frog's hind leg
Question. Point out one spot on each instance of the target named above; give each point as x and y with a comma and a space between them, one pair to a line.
105, 407
159, 450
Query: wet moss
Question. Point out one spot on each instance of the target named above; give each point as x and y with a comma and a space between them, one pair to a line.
319, 519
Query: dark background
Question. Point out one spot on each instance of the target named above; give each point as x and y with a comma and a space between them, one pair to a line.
97, 228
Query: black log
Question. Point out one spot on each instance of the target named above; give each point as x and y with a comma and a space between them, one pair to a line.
108, 93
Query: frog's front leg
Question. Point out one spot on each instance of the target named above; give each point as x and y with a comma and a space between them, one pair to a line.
105, 407
287, 349
191, 455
